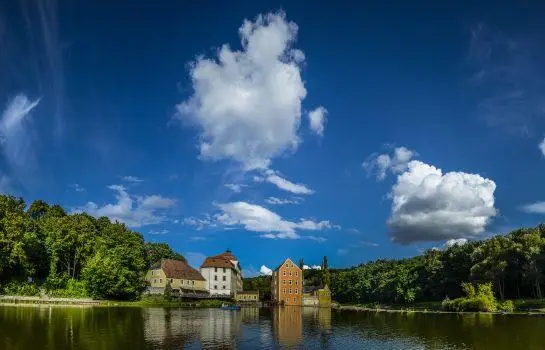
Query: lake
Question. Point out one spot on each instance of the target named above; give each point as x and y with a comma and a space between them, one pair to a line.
45, 327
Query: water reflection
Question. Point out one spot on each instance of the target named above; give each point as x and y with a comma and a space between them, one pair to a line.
250, 328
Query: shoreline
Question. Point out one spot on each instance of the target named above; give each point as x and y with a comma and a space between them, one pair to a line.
436, 312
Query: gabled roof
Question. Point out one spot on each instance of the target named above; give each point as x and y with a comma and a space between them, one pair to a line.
291, 261
221, 260
178, 269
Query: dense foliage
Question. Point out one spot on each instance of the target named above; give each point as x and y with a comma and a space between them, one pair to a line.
71, 255
262, 284
513, 264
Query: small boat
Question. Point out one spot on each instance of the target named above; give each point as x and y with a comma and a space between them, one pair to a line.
230, 307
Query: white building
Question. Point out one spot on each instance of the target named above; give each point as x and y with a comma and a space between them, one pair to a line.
222, 274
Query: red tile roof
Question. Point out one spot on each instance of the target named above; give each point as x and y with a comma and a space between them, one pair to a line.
221, 260
180, 270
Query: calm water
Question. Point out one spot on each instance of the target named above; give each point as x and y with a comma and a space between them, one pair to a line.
289, 327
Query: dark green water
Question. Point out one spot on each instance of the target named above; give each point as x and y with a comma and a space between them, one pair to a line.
289, 327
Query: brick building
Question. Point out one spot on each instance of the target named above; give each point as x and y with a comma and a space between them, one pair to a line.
287, 284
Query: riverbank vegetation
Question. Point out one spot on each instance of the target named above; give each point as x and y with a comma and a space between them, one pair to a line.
43, 248
512, 266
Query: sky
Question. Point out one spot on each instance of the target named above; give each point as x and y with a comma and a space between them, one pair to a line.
352, 131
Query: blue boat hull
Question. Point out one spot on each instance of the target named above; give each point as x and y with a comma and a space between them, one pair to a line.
230, 307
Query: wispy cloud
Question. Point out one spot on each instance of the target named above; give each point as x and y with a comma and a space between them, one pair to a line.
534, 208
15, 135
509, 78
282, 201
158, 232
132, 179
197, 238
274, 178
133, 210
542, 147
259, 219
396, 163
77, 188
235, 187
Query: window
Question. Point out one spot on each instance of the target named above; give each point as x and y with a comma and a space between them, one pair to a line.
296, 273
294, 300
284, 273
223, 287
290, 273
296, 282
215, 287
215, 269
224, 270
283, 281
290, 282
215, 278
160, 280
284, 290
193, 282
290, 290
224, 278
296, 291
155, 280
171, 280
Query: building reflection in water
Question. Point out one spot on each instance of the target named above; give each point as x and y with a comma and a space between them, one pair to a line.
288, 324
176, 328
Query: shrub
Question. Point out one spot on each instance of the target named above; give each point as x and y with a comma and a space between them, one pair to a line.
73, 289
21, 289
506, 306
478, 299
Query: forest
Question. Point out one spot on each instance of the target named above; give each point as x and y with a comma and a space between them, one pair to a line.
71, 255
513, 265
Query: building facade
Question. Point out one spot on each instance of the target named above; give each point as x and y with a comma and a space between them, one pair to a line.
247, 297
183, 279
320, 297
222, 274
287, 284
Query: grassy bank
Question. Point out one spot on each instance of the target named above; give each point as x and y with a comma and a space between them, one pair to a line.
520, 306
145, 301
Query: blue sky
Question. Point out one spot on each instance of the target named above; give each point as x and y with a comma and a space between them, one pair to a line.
353, 131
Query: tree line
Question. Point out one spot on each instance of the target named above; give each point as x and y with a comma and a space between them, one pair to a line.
513, 264
73, 255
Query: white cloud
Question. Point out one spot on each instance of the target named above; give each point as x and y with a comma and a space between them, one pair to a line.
396, 163
542, 147
265, 271
286, 185
199, 223
247, 104
14, 134
259, 219
159, 232
354, 230
369, 244
313, 267
198, 238
77, 188
258, 179
428, 205
454, 241
282, 201
235, 187
534, 208
130, 178
317, 119
134, 211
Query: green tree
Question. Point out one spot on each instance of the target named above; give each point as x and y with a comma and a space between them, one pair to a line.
158, 251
